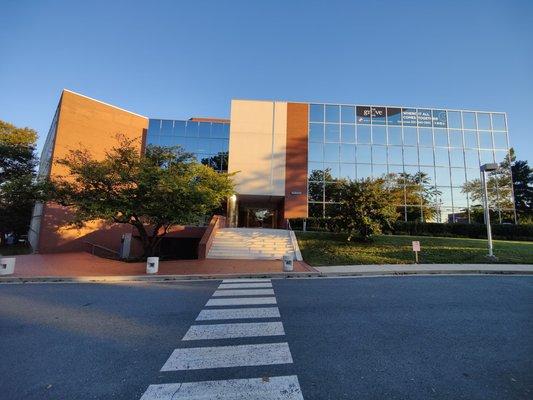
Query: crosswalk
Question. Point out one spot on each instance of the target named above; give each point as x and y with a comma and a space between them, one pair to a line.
233, 300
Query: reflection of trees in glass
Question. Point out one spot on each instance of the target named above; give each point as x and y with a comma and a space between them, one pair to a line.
219, 162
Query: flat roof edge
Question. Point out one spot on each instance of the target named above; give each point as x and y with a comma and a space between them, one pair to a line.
103, 102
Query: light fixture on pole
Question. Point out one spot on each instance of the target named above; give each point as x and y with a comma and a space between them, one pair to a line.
484, 169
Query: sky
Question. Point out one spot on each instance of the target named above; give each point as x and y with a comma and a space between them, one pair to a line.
178, 59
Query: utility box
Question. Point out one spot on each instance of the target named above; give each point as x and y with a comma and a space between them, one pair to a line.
7, 265
125, 246
152, 265
288, 263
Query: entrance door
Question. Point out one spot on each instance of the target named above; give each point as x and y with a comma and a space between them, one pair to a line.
261, 218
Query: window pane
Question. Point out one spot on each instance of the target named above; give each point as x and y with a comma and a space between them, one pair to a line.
500, 156
458, 177
456, 138
363, 134
316, 191
498, 122
442, 176
154, 126
363, 114
379, 154
332, 113
485, 140
179, 128
500, 140
348, 133
363, 154
483, 121
454, 119
485, 156
348, 153
379, 135
332, 133
192, 129
424, 117
378, 116
316, 152
395, 155
347, 171
379, 171
316, 210
441, 156
394, 116
348, 114
409, 116
456, 158
331, 171
472, 174
166, 127
410, 156
471, 159
459, 198
425, 137
316, 112
316, 132
216, 130
205, 130
395, 135
470, 139
316, 171
426, 157
225, 131
331, 152
410, 136
441, 137
363, 171
469, 120
439, 119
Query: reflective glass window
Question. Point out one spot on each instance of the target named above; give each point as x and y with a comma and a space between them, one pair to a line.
154, 126
379, 135
469, 120
331, 152
458, 176
471, 158
470, 139
316, 132
330, 189
486, 156
363, 114
166, 141
348, 153
456, 138
203, 146
316, 152
364, 171
379, 171
395, 135
191, 144
410, 137
316, 191
216, 130
500, 140
316, 112
456, 158
442, 176
441, 137
332, 113
441, 156
498, 122
204, 130
348, 114
363, 154
179, 128
396, 169
410, 156
472, 174
440, 119
395, 155
379, 154
347, 171
459, 198
316, 171
316, 210
454, 119
363, 134
428, 173
394, 116
348, 133
409, 116
485, 140
425, 136
378, 116
424, 117
218, 146
483, 121
426, 156
331, 171
332, 133
500, 156
225, 130
192, 129
166, 127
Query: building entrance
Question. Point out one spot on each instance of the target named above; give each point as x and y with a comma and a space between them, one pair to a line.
260, 217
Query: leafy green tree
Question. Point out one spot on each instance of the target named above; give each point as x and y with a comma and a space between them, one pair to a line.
18, 190
219, 162
152, 192
522, 187
366, 208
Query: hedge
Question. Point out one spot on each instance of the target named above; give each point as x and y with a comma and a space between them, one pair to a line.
499, 231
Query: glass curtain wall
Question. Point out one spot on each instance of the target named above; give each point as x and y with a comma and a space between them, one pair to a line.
431, 156
207, 141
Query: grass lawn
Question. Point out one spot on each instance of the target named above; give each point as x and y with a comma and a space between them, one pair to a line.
333, 249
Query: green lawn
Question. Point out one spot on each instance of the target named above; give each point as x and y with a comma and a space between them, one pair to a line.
333, 249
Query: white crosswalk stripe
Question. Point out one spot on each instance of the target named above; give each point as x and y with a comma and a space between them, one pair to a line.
238, 330
240, 301
244, 292
238, 313
245, 285
273, 388
228, 356
245, 280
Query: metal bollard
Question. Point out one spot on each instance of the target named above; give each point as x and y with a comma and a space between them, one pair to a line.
152, 265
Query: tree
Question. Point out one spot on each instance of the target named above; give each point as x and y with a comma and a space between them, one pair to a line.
522, 187
366, 207
18, 189
153, 192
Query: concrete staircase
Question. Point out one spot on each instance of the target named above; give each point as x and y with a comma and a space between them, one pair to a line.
252, 244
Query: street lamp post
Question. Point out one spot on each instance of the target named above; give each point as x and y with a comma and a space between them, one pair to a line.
484, 169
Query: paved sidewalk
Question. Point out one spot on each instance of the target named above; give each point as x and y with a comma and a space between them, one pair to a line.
393, 269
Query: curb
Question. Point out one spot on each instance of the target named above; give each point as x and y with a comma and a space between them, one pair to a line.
288, 275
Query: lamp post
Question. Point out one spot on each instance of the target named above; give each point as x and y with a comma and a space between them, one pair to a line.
484, 169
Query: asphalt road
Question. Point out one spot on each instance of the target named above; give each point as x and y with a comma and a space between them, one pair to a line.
445, 337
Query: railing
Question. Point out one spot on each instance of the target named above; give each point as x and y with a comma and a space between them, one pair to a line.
217, 222
115, 254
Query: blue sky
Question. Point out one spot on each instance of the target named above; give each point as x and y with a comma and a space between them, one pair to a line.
176, 59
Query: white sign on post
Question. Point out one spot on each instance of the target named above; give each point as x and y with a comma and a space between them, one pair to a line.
416, 249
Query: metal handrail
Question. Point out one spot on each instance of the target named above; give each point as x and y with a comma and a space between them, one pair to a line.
93, 245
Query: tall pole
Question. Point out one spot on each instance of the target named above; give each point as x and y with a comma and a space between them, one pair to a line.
486, 210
